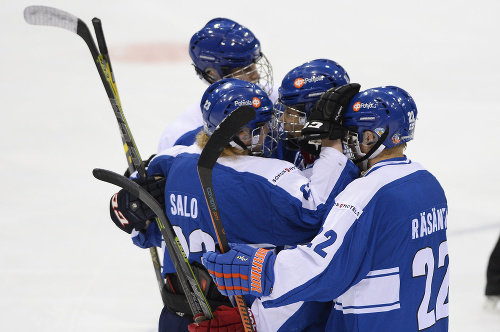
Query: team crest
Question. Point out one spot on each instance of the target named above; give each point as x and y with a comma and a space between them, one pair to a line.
379, 131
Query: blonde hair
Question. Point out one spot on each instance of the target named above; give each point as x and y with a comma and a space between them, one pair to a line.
202, 139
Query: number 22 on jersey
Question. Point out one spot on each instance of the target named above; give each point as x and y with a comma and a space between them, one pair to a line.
424, 265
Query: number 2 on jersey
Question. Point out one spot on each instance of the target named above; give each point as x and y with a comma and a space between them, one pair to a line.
423, 265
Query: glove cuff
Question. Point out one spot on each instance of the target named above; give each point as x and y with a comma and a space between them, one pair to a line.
262, 272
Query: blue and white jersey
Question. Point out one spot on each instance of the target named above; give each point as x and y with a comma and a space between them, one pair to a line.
381, 255
262, 201
189, 121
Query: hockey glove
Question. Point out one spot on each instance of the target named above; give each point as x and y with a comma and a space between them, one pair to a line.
128, 212
327, 114
242, 270
226, 319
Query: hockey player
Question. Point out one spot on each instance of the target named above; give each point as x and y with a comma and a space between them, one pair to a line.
300, 89
222, 48
290, 206
381, 255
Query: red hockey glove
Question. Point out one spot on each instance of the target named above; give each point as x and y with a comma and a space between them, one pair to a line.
225, 319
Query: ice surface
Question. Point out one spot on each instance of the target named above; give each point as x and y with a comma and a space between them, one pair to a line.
65, 267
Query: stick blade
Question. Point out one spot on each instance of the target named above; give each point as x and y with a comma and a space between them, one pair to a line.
223, 134
49, 16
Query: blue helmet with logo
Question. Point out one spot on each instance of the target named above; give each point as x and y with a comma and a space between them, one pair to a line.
230, 50
226, 95
389, 112
304, 84
301, 88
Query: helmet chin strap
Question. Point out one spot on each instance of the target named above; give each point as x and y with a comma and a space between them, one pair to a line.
237, 143
376, 148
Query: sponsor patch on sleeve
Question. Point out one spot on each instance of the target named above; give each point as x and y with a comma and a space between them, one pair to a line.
277, 178
345, 206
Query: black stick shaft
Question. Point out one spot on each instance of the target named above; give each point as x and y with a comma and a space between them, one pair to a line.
153, 251
219, 140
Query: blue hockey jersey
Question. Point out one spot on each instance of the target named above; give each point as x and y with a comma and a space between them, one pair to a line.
381, 256
262, 201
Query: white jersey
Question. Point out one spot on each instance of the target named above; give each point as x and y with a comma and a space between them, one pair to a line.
189, 120
381, 257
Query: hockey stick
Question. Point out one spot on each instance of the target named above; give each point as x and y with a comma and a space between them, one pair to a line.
103, 48
177, 254
47, 16
41, 15
219, 140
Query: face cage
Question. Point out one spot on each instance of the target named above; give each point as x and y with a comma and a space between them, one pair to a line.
264, 147
287, 129
350, 145
261, 69
352, 150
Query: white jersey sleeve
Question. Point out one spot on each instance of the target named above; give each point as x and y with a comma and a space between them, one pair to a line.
189, 120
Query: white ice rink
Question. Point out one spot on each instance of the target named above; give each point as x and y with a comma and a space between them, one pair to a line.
65, 267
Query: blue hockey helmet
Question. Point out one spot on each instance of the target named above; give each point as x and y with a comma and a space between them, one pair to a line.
301, 88
226, 95
389, 112
224, 48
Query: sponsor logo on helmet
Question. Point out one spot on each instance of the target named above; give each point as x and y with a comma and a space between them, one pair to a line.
359, 105
256, 102
367, 118
356, 106
396, 138
243, 103
300, 82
